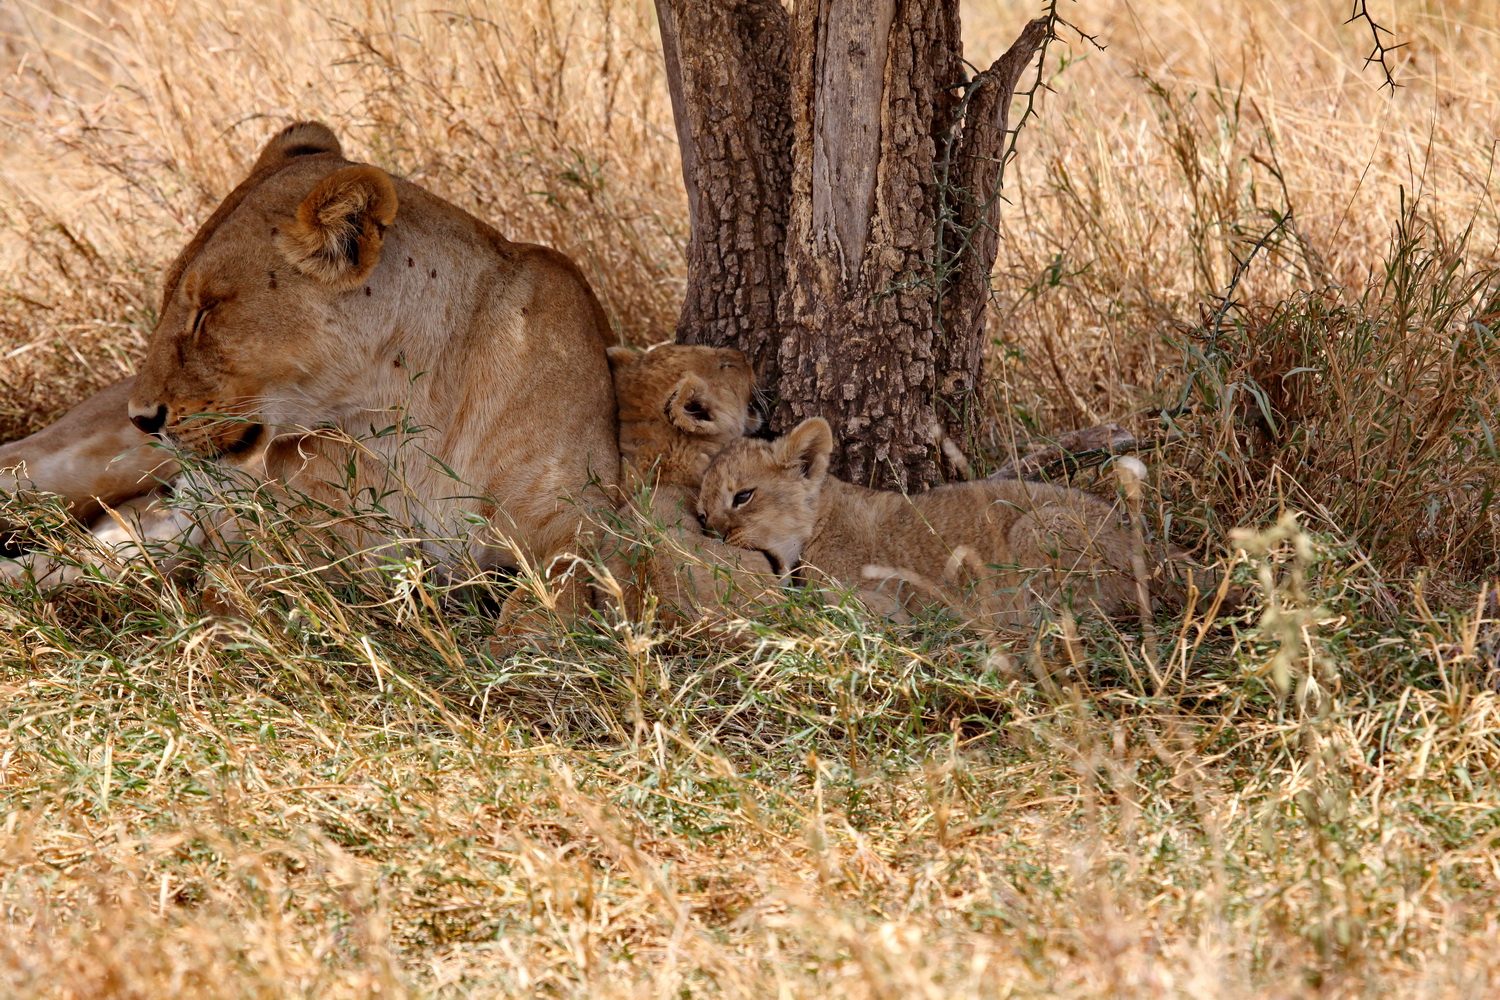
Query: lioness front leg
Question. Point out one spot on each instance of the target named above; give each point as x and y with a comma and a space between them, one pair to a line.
130, 534
93, 457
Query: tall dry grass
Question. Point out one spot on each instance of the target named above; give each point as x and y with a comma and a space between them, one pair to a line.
335, 795
1347, 379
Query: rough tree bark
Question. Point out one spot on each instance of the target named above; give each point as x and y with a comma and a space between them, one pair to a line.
731, 102
842, 172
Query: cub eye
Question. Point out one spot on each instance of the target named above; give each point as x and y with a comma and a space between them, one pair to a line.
742, 497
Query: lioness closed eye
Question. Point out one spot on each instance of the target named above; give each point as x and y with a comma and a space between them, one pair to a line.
1009, 547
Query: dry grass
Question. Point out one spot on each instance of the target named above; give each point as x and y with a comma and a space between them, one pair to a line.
346, 796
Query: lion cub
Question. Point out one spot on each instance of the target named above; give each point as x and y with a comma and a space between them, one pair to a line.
678, 406
1004, 548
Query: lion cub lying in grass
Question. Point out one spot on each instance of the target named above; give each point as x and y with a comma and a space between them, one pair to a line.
678, 406
1000, 548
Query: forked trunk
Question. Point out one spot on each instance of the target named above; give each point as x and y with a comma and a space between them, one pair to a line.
843, 174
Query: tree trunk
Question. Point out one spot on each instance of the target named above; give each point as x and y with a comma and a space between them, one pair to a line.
843, 177
731, 103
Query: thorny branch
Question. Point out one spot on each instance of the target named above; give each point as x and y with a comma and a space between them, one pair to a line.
1038, 84
1360, 11
1216, 324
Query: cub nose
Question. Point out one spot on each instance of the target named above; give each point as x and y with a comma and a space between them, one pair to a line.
149, 422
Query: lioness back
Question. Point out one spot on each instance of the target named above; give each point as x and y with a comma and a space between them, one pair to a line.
998, 548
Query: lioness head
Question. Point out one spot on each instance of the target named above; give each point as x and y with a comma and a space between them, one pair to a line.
764, 495
242, 339
680, 404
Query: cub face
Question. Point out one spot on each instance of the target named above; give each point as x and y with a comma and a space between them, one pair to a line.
244, 333
680, 404
702, 391
764, 495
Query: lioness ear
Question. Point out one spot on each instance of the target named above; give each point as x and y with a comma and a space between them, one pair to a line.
296, 140
806, 448
620, 358
340, 226
688, 408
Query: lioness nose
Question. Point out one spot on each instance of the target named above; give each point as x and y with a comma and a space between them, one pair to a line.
150, 423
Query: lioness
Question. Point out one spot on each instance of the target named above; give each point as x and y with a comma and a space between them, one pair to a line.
326, 301
678, 406
1005, 547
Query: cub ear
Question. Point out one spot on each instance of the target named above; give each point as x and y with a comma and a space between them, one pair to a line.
340, 226
806, 448
688, 407
296, 140
621, 358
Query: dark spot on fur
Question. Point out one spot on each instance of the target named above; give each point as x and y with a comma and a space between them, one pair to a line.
367, 289
273, 280
408, 262
433, 274
523, 311
400, 359
274, 230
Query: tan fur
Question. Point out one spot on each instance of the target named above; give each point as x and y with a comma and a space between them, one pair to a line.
325, 300
678, 406
339, 227
1005, 547
93, 456
121, 536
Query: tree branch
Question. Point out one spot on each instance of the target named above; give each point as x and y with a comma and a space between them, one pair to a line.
1360, 11
971, 236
